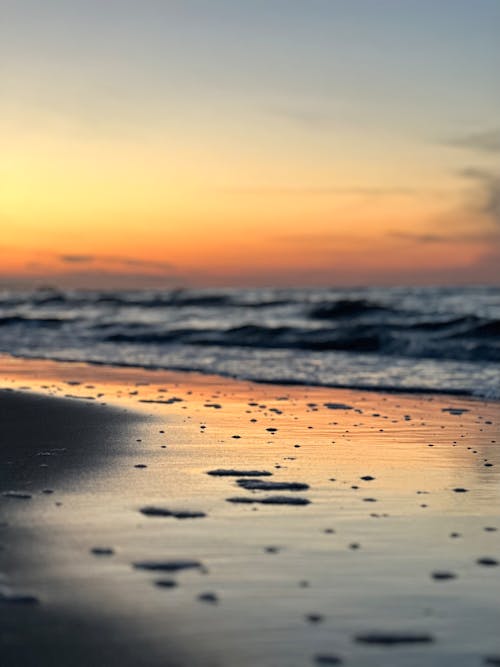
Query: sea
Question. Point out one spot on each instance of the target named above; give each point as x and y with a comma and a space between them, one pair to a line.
444, 340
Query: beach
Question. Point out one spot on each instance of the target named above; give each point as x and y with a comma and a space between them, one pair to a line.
166, 518
249, 334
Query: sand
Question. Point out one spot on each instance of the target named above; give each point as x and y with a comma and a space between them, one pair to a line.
366, 533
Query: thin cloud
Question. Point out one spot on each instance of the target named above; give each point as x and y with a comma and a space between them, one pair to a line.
115, 260
286, 190
453, 237
483, 141
476, 219
421, 238
484, 193
76, 259
486, 197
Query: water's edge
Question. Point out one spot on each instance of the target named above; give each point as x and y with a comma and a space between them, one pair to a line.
382, 389
419, 340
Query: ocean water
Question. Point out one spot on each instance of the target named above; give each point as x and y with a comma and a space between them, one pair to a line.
411, 339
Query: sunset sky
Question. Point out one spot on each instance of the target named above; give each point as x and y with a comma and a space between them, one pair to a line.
257, 142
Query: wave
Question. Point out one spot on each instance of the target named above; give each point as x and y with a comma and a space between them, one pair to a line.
171, 300
420, 383
346, 308
142, 299
382, 339
259, 337
485, 330
31, 321
447, 323
433, 338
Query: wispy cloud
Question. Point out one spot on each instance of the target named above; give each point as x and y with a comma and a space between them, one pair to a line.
115, 261
482, 198
483, 141
420, 238
319, 191
476, 218
452, 237
76, 259
486, 195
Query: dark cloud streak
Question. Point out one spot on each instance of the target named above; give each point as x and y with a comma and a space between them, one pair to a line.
285, 190
486, 200
76, 259
484, 141
454, 237
115, 260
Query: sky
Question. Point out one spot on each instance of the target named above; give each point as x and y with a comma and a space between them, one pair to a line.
245, 143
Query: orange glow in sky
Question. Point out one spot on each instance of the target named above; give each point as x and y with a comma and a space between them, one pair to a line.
243, 146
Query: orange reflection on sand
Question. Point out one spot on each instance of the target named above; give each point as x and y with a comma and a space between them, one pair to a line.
416, 450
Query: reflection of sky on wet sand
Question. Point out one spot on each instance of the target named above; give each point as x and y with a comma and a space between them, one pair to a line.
384, 583
417, 453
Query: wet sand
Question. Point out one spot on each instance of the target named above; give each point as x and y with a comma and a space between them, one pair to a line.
156, 518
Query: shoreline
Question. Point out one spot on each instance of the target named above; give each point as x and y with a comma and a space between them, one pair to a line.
6, 358
402, 491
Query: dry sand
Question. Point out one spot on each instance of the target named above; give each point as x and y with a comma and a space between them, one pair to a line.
377, 543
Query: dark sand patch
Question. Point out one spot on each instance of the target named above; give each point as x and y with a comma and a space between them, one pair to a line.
393, 639
487, 561
167, 565
168, 401
324, 659
455, 411
210, 598
442, 575
102, 551
220, 472
338, 406
166, 583
8, 596
177, 514
270, 500
258, 485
